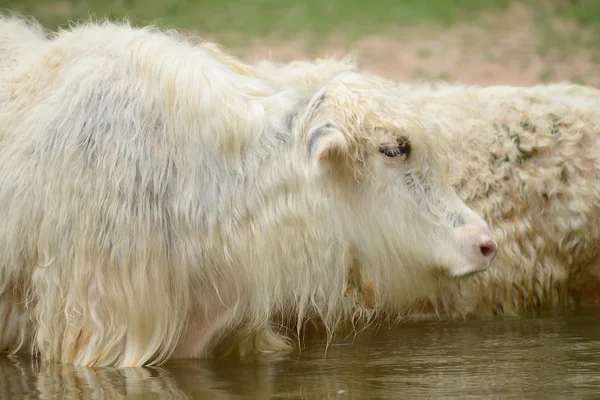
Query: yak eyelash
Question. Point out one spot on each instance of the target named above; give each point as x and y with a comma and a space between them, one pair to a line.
393, 152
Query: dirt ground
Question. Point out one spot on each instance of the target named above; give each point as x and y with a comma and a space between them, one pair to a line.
499, 48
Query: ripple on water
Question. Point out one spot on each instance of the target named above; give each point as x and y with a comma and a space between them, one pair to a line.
554, 356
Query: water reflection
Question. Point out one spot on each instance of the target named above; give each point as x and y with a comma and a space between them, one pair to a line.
553, 356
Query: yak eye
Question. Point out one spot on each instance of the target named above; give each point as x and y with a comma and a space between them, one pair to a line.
392, 152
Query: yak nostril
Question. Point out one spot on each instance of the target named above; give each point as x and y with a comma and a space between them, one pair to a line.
489, 249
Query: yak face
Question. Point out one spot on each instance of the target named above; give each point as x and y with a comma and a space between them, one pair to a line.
383, 168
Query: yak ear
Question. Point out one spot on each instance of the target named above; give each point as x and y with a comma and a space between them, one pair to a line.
328, 146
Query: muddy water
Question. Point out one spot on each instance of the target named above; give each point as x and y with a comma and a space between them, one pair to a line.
552, 356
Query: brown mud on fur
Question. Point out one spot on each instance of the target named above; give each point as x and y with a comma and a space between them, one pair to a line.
356, 283
591, 293
588, 285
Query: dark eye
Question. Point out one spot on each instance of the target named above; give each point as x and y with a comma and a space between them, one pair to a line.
394, 151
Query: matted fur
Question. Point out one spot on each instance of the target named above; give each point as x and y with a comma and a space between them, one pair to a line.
156, 202
526, 159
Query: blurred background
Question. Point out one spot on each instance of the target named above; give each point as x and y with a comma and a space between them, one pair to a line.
519, 42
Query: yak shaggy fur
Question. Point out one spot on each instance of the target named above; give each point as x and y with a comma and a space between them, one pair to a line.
527, 159
157, 202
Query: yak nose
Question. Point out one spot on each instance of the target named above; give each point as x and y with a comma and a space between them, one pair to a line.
488, 249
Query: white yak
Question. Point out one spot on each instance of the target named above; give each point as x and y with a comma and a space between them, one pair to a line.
157, 203
527, 159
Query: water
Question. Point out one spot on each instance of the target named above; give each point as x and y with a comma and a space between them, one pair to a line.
555, 356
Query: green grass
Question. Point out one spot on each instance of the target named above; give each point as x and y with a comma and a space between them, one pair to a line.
586, 12
586, 15
232, 20
546, 74
261, 17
